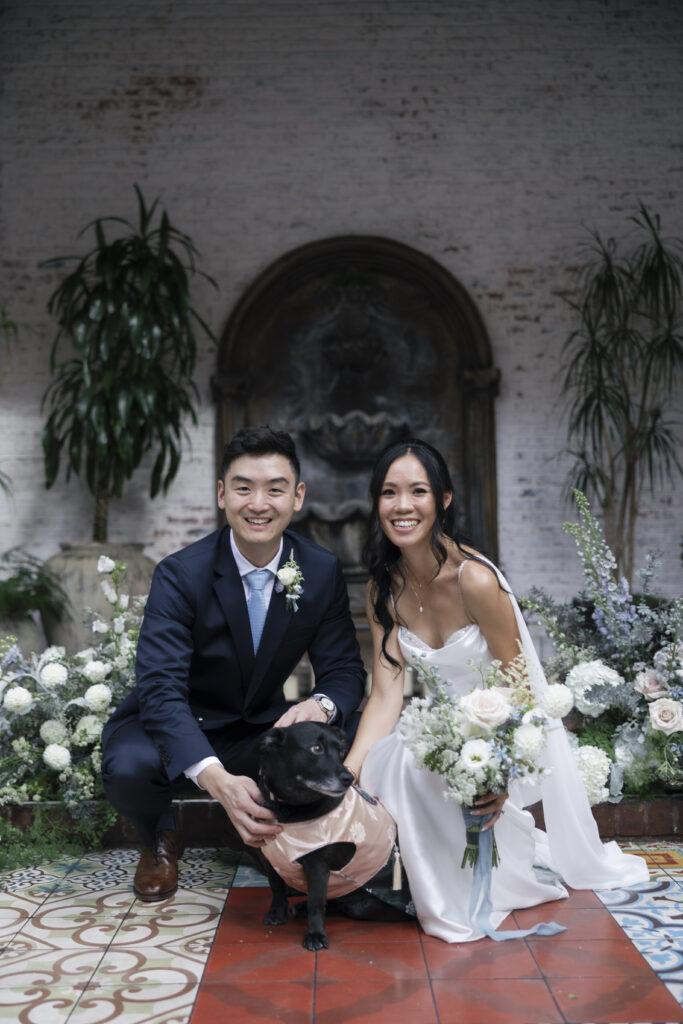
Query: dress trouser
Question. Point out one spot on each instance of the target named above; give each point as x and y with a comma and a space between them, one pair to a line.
136, 783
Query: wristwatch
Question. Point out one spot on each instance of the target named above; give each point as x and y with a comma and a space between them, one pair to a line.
328, 706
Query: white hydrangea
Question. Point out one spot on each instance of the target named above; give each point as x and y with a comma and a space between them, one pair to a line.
99, 626
57, 757
96, 671
585, 675
53, 674
108, 591
97, 697
557, 700
53, 653
105, 564
594, 768
18, 699
52, 731
88, 729
528, 741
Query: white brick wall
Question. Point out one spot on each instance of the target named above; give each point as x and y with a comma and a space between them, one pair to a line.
481, 133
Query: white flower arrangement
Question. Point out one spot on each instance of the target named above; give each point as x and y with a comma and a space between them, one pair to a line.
594, 768
621, 655
480, 742
53, 710
289, 578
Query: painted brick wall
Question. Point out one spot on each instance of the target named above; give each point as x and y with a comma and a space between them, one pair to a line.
481, 132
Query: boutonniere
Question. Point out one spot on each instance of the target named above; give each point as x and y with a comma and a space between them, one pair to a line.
289, 578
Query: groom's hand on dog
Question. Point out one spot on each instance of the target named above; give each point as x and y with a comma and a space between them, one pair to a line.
305, 711
241, 799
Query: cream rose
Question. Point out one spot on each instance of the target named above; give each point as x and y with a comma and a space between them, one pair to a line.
287, 575
666, 715
650, 684
486, 709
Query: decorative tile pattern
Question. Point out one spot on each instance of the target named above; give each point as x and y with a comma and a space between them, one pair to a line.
76, 946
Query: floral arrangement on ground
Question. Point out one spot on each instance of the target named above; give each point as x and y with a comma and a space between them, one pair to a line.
53, 708
621, 655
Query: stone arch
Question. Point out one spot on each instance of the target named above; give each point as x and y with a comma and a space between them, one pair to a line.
352, 342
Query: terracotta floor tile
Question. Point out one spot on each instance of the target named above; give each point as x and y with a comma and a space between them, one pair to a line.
254, 1003
495, 1001
589, 958
483, 959
604, 1000
402, 1001
508, 924
581, 899
260, 961
380, 961
579, 924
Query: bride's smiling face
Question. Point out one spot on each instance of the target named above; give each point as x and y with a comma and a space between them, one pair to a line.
407, 508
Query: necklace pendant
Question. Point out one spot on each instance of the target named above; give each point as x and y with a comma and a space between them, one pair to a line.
421, 609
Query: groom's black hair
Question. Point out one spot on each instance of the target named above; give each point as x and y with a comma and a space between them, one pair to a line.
260, 440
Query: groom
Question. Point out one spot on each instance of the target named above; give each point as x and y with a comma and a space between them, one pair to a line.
222, 631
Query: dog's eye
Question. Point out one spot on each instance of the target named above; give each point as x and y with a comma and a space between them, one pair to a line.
317, 748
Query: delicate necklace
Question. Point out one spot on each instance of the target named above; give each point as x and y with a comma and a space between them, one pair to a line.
418, 597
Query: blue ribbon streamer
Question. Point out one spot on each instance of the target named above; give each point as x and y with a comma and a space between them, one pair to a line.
480, 898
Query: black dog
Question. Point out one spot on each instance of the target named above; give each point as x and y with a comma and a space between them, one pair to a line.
302, 779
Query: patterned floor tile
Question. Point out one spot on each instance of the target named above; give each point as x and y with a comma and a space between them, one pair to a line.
136, 1004
41, 968
38, 1005
144, 966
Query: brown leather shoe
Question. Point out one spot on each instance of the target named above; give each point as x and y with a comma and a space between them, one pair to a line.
156, 877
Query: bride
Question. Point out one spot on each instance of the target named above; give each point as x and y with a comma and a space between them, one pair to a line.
432, 598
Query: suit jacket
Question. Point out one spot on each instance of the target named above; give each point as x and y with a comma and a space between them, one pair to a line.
196, 669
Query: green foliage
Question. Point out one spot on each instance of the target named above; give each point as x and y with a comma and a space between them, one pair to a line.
50, 836
27, 585
126, 311
597, 734
622, 370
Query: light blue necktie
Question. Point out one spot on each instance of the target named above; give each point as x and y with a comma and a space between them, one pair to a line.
256, 605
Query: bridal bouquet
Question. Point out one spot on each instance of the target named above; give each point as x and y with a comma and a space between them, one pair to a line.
480, 742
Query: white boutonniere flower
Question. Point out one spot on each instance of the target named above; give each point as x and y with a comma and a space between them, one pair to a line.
289, 578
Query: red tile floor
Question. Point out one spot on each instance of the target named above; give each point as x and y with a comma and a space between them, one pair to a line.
394, 974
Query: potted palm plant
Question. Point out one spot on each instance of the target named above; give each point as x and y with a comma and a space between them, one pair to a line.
124, 386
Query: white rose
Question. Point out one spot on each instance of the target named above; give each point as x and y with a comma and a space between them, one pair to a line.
666, 715
52, 731
105, 564
528, 742
475, 754
108, 591
287, 575
485, 709
98, 697
18, 699
57, 757
53, 674
88, 729
650, 684
557, 701
99, 627
96, 671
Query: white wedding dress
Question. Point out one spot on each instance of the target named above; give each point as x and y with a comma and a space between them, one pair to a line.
431, 830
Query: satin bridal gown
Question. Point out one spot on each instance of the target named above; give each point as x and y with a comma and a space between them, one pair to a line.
431, 831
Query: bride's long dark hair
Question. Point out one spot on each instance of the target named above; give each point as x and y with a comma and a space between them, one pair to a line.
379, 554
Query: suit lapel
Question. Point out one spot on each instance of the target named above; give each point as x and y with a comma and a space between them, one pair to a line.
229, 590
277, 621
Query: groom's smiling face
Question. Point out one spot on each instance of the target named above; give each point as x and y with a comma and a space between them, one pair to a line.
260, 494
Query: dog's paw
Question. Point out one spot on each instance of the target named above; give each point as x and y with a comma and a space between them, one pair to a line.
315, 941
277, 915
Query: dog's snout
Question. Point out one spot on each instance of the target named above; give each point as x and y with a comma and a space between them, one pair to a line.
346, 776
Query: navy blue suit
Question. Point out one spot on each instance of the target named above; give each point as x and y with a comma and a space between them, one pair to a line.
200, 689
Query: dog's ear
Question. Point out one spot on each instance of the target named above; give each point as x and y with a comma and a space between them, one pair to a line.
341, 738
271, 740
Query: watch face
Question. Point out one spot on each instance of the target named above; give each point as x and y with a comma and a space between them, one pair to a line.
326, 704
